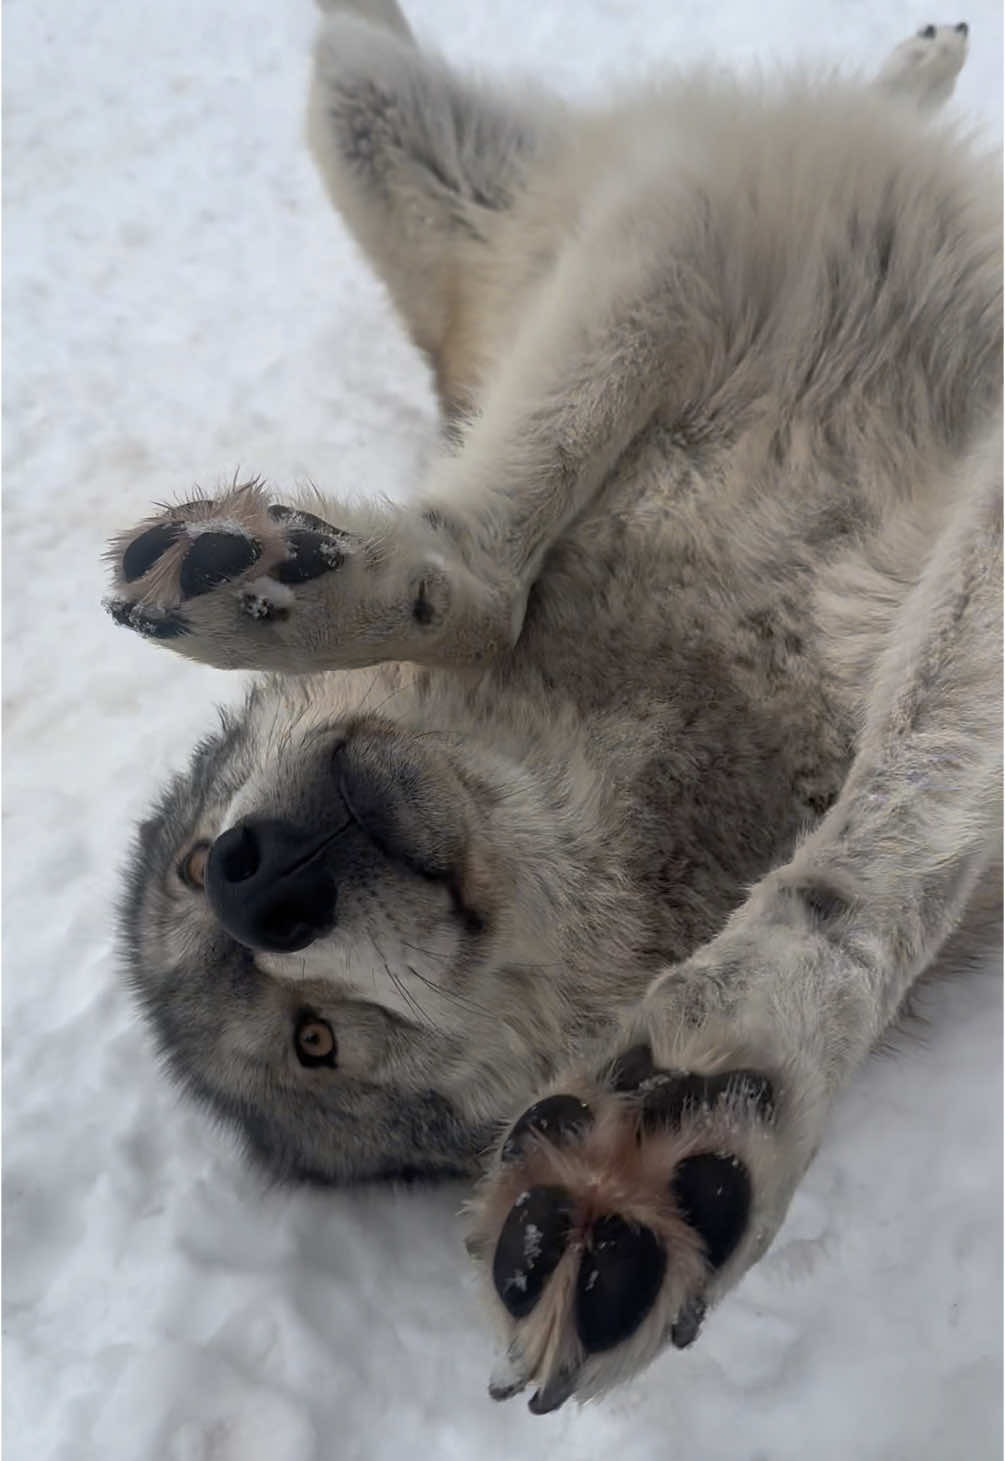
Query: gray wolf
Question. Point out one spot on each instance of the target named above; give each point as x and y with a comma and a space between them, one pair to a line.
594, 813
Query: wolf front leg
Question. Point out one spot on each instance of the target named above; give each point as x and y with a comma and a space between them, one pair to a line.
243, 582
632, 1197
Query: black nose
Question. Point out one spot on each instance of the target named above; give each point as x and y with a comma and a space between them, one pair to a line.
268, 885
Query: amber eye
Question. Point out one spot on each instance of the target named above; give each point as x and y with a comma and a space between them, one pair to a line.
314, 1042
192, 868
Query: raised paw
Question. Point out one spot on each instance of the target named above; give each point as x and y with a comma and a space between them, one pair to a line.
240, 548
611, 1216
243, 583
923, 69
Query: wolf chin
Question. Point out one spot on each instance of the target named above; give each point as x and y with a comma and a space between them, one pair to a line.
597, 809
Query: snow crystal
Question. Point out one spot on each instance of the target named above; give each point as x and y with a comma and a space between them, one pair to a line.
217, 525
269, 592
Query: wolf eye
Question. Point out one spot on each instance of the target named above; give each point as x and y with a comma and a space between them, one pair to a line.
314, 1042
927, 33
192, 868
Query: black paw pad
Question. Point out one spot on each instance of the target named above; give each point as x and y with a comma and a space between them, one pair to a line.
313, 554
712, 1193
281, 514
561, 1119
618, 1281
144, 551
670, 1096
630, 1069
530, 1245
751, 1088
215, 558
168, 624
685, 1328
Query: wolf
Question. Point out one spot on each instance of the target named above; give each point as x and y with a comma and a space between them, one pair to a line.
596, 807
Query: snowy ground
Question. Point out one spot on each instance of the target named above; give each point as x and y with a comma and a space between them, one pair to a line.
179, 300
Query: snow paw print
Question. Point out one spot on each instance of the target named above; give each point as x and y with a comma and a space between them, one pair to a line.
610, 1210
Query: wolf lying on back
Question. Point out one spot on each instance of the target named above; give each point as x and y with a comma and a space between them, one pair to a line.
682, 762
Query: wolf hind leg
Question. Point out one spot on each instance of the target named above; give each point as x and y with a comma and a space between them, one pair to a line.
420, 164
634, 1194
922, 70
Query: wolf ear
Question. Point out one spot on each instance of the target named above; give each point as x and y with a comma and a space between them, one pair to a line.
420, 164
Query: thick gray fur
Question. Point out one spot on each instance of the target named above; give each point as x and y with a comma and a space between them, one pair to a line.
688, 653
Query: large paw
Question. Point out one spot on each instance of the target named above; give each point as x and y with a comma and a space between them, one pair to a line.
923, 69
614, 1210
243, 583
206, 563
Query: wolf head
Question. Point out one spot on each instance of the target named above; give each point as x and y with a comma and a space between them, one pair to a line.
363, 933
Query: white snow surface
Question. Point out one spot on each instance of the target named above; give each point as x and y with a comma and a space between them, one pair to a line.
179, 302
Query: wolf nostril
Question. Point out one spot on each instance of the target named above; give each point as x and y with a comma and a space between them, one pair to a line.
237, 854
284, 928
269, 884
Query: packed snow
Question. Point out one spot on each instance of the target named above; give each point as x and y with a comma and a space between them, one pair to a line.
181, 302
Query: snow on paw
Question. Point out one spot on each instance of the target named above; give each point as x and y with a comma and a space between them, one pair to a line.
208, 565
610, 1209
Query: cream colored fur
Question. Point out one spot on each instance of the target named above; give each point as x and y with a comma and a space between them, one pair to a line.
691, 641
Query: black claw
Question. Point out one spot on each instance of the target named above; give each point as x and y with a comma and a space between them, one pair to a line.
618, 1281
506, 1391
559, 1118
687, 1326
553, 1395
120, 611
215, 558
672, 1095
313, 554
166, 625
530, 1245
631, 1068
281, 514
144, 551
713, 1195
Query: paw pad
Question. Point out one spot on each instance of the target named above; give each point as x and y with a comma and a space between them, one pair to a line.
215, 558
713, 1194
148, 549
606, 1217
619, 1279
559, 1118
312, 553
670, 1096
530, 1246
